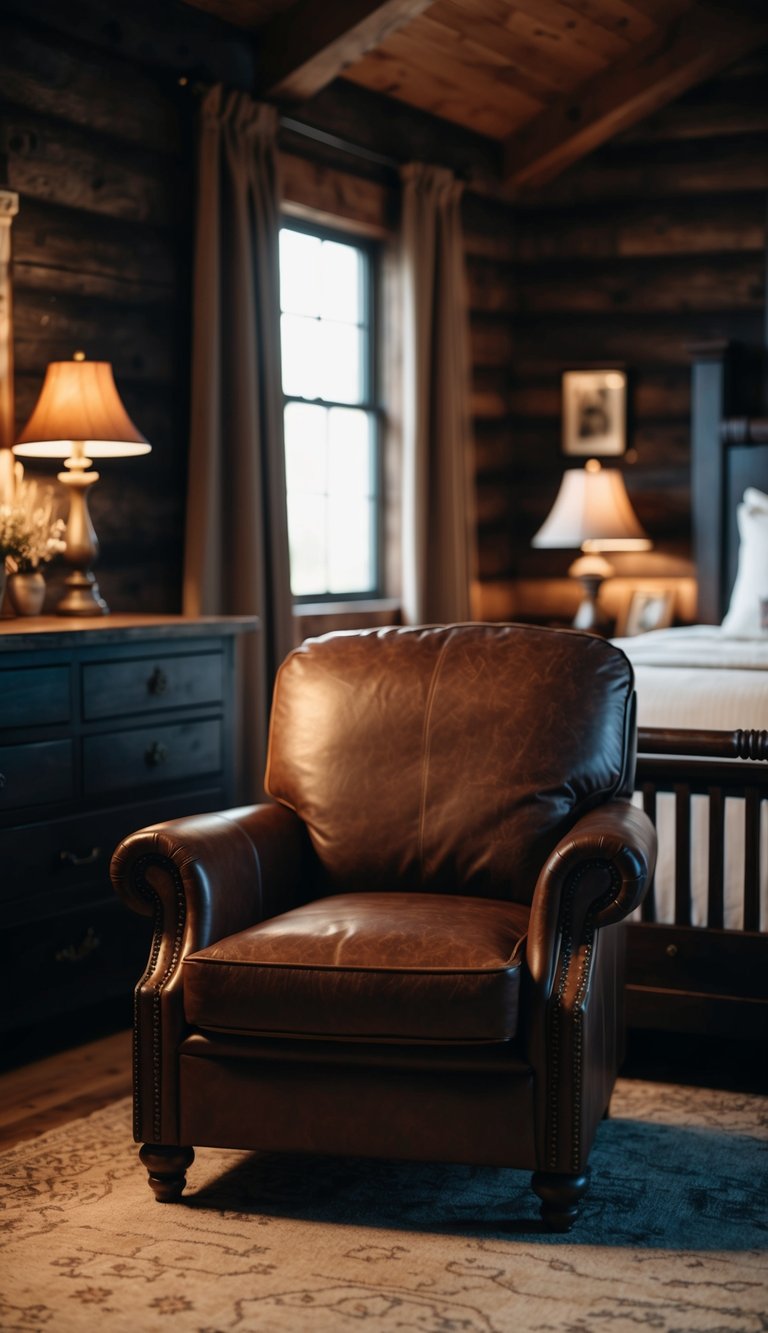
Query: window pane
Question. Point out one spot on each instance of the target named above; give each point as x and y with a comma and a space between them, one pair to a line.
350, 546
301, 339
341, 283
307, 533
340, 362
300, 270
306, 451
330, 451
350, 470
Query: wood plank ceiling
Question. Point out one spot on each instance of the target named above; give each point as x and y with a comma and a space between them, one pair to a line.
548, 79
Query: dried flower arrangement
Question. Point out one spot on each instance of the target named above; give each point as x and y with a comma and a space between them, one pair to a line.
31, 531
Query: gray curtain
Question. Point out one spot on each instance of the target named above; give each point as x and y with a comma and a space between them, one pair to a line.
236, 551
438, 489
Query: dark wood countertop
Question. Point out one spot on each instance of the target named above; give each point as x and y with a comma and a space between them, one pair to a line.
20, 632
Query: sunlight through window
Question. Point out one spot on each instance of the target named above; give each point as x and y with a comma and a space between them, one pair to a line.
331, 417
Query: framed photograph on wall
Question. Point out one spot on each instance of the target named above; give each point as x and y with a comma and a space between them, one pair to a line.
594, 412
651, 608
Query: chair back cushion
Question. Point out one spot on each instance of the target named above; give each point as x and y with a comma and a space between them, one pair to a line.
448, 759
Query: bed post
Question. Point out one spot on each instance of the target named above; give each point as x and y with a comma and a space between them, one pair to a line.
710, 389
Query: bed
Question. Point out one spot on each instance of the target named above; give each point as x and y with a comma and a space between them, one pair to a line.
698, 957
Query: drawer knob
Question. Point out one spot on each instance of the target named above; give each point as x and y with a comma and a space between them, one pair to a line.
75, 953
671, 951
80, 858
158, 682
156, 754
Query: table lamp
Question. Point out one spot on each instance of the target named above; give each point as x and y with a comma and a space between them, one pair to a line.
592, 512
79, 417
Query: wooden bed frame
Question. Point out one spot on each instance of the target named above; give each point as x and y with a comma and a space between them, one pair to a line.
705, 979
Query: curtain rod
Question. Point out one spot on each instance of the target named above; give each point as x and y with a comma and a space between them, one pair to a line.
200, 87
335, 141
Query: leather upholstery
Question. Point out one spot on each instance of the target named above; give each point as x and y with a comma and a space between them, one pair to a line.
417, 950
428, 1114
389, 967
447, 759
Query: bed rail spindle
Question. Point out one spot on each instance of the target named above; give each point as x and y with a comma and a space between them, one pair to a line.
648, 910
682, 854
752, 858
715, 910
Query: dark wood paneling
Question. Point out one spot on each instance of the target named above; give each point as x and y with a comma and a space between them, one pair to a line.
137, 340
87, 255
59, 163
661, 170
171, 38
100, 146
652, 244
49, 74
639, 227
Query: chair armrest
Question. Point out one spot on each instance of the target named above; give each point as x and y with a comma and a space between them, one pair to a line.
200, 878
214, 874
595, 877
597, 874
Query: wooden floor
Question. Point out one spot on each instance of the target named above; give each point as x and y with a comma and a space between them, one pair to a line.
64, 1086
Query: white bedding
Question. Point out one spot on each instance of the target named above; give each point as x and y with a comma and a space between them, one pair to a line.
698, 677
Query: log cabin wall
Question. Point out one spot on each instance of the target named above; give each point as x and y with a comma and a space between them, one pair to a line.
97, 137
653, 243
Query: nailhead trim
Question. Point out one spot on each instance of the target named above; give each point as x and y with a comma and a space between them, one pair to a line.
148, 893
556, 1014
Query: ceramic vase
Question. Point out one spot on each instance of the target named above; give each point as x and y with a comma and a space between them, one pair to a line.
26, 592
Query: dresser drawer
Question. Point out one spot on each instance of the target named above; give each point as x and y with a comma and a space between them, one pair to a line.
69, 960
126, 759
147, 684
35, 773
34, 696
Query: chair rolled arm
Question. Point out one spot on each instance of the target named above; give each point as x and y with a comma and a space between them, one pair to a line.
595, 877
214, 874
605, 863
200, 878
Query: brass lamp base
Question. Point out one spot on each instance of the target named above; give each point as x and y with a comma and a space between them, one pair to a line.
82, 597
591, 571
590, 615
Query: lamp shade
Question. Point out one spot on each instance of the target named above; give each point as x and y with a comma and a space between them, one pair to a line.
592, 512
79, 401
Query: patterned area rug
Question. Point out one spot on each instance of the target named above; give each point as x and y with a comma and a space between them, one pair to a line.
672, 1235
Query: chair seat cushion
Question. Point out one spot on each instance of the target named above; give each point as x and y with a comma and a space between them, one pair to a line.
418, 967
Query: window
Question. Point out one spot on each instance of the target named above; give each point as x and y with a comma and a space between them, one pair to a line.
331, 413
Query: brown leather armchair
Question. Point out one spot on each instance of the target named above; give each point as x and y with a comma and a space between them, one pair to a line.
416, 952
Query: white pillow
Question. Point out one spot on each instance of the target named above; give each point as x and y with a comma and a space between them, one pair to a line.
743, 618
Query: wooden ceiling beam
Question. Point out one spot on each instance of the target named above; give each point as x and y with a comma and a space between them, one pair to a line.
303, 48
694, 47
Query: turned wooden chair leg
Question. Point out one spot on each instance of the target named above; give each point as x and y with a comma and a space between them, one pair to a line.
560, 1195
167, 1169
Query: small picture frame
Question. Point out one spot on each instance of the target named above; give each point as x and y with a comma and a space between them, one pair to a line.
594, 412
651, 608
